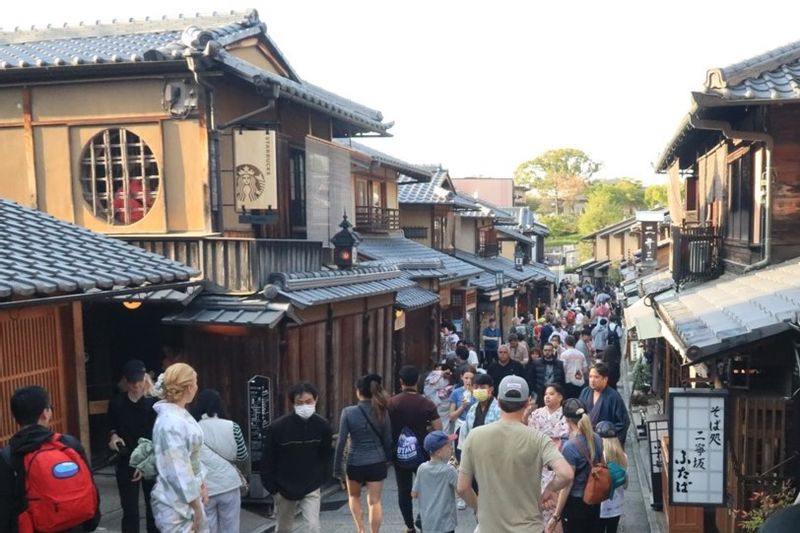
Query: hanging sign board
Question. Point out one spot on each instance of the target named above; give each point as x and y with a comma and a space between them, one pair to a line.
255, 170
698, 447
259, 410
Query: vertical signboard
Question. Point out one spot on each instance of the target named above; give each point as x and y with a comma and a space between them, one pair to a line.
255, 170
698, 447
657, 427
259, 409
649, 243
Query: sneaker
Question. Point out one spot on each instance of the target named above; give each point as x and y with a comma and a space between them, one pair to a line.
461, 504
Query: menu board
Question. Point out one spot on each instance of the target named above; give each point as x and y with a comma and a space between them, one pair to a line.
698, 447
259, 407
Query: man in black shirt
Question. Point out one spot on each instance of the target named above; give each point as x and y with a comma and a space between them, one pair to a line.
297, 458
131, 417
504, 366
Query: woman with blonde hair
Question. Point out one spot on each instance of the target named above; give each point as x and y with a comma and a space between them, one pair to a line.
369, 429
611, 509
180, 492
583, 449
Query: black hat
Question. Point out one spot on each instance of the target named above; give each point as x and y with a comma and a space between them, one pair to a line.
134, 371
573, 408
606, 429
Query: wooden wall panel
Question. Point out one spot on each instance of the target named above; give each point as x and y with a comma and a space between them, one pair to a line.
33, 352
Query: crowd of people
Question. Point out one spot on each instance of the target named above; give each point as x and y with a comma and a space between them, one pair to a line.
510, 432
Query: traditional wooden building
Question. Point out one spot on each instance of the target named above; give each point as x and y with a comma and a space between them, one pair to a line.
735, 154
49, 270
196, 139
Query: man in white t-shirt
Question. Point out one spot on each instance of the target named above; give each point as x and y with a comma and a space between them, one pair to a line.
575, 368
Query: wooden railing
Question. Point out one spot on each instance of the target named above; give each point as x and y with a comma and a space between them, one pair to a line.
490, 249
235, 265
696, 253
377, 219
415, 232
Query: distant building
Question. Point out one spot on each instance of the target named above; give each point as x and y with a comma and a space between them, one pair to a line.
498, 191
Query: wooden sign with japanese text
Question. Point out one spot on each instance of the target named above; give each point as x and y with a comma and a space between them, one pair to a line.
698, 447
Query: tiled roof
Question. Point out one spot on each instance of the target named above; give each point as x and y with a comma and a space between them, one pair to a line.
153, 41
229, 310
438, 190
395, 247
170, 296
412, 269
41, 256
305, 289
498, 264
511, 231
733, 310
487, 283
415, 298
407, 169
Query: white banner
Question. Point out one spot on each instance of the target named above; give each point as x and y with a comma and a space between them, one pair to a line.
329, 189
255, 170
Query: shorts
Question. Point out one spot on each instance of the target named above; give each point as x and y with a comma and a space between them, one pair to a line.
367, 473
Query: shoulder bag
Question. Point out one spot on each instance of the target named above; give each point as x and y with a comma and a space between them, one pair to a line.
245, 483
598, 482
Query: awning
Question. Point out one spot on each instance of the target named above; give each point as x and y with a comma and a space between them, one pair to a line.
414, 298
643, 318
230, 311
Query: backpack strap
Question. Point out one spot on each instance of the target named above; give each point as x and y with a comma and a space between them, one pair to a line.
377, 434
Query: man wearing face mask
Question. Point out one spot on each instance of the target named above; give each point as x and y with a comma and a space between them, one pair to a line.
297, 457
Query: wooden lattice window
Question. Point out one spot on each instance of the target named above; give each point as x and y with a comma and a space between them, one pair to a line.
119, 176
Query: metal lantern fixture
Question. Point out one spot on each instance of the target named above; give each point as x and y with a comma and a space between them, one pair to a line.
345, 245
519, 257
499, 279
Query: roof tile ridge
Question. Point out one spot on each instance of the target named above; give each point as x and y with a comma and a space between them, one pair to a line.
247, 18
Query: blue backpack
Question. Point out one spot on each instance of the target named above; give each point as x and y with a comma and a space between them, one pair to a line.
409, 453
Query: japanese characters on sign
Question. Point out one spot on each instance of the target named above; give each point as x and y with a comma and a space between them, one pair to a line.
697, 447
649, 243
259, 404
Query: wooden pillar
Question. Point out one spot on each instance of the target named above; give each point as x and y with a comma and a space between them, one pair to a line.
30, 153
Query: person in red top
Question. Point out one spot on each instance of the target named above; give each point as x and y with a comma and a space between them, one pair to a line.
411, 410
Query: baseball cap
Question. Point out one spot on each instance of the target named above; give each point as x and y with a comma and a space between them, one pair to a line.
133, 371
513, 389
573, 408
436, 439
606, 429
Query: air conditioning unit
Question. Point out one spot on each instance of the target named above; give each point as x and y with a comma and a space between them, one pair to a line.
699, 257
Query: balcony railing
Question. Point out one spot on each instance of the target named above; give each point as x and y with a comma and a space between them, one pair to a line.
235, 265
490, 249
696, 253
377, 219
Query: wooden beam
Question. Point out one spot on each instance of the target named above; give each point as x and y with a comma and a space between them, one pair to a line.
81, 393
30, 154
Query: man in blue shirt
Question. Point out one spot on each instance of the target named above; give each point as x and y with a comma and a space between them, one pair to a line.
604, 403
491, 340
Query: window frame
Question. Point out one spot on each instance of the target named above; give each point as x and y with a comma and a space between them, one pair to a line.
738, 218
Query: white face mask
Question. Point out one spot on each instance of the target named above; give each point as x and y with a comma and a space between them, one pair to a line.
305, 411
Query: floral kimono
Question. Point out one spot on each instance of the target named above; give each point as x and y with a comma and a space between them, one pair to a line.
177, 440
554, 425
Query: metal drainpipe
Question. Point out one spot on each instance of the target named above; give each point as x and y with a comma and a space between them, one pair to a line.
769, 142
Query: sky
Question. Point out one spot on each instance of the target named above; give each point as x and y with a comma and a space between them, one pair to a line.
480, 87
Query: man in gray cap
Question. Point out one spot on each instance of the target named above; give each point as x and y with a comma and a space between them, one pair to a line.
507, 458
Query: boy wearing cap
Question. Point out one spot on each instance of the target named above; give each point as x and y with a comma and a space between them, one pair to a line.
507, 458
435, 485
131, 417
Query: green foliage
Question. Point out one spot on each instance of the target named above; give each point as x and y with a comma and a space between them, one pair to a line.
559, 176
570, 238
560, 225
763, 503
610, 202
585, 250
614, 274
641, 376
656, 196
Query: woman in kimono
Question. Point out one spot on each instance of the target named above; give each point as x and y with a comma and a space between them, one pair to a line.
180, 492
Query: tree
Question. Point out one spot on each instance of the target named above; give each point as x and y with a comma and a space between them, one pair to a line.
559, 176
560, 225
656, 196
610, 202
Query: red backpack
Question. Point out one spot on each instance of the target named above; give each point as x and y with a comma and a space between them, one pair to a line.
59, 488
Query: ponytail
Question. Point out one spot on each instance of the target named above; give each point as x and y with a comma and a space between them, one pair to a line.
585, 427
380, 401
369, 387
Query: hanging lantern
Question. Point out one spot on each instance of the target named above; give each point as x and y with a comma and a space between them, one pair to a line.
519, 256
345, 245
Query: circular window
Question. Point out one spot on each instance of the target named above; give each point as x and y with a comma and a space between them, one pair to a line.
119, 176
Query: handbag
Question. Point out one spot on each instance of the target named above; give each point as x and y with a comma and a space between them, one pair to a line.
245, 483
598, 482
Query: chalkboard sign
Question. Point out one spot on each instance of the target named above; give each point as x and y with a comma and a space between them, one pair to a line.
259, 407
